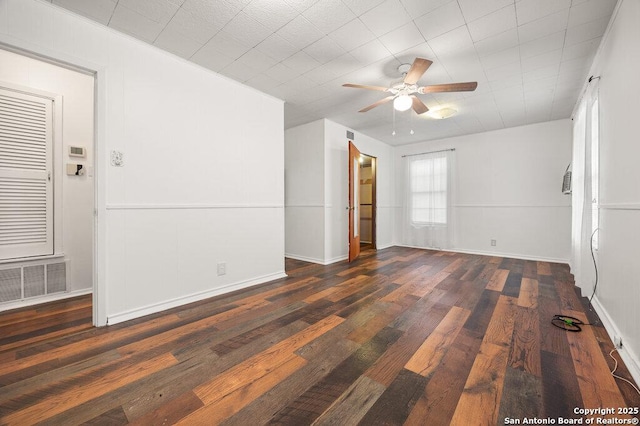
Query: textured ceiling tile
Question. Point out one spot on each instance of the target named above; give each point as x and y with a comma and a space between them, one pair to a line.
541, 73
534, 62
504, 83
453, 42
497, 43
262, 82
585, 32
160, 11
323, 74
226, 45
440, 21
422, 50
385, 17
543, 83
98, 10
130, 22
276, 47
520, 77
504, 71
173, 42
329, 15
247, 30
417, 8
474, 9
543, 27
370, 52
590, 11
402, 38
191, 26
541, 45
301, 5
324, 50
361, 6
493, 24
503, 57
218, 13
351, 35
239, 71
531, 10
271, 14
212, 60
282, 73
300, 62
300, 32
257, 60
586, 48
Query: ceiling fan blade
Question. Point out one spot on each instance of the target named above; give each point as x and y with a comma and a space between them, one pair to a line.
452, 87
418, 106
380, 102
417, 69
361, 86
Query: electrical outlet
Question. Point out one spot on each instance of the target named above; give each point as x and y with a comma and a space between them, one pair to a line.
222, 268
617, 341
493, 243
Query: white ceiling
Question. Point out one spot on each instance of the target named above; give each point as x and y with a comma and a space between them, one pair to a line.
529, 57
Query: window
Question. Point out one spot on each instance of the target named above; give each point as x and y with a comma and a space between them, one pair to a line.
428, 190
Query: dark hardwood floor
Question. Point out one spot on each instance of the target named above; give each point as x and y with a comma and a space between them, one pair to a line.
401, 336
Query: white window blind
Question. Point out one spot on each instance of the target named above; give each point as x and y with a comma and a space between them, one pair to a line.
26, 192
427, 212
428, 180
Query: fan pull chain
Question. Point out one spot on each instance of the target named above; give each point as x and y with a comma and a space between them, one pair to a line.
394, 122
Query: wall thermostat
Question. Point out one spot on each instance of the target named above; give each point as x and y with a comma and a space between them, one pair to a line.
77, 151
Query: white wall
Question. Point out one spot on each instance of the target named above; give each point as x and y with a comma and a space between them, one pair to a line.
304, 192
317, 190
509, 189
202, 181
337, 189
74, 229
618, 295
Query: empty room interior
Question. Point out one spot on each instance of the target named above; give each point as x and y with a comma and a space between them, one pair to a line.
345, 212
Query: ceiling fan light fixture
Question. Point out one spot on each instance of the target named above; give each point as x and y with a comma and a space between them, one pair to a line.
402, 103
442, 113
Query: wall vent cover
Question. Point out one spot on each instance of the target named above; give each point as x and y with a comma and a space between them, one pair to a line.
27, 281
350, 135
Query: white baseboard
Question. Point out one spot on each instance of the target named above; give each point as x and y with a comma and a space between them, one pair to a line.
629, 357
494, 254
162, 306
511, 256
337, 259
305, 258
43, 299
386, 246
315, 260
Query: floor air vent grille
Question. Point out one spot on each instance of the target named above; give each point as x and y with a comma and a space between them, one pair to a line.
31, 280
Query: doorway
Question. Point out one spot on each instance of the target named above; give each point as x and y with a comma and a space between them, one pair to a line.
66, 268
367, 202
362, 201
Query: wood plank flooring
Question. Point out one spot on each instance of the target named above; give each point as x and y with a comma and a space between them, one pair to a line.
401, 336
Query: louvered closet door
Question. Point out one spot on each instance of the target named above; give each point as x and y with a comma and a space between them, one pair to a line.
26, 192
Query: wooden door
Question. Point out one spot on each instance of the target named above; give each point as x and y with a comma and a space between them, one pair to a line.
354, 202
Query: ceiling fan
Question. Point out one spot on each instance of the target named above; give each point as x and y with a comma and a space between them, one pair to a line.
403, 91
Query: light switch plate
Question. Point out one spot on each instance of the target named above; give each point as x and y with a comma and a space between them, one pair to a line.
117, 158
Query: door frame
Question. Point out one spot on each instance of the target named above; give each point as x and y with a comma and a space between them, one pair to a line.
374, 203
354, 202
99, 247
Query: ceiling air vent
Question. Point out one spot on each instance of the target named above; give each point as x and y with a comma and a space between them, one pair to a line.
350, 135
